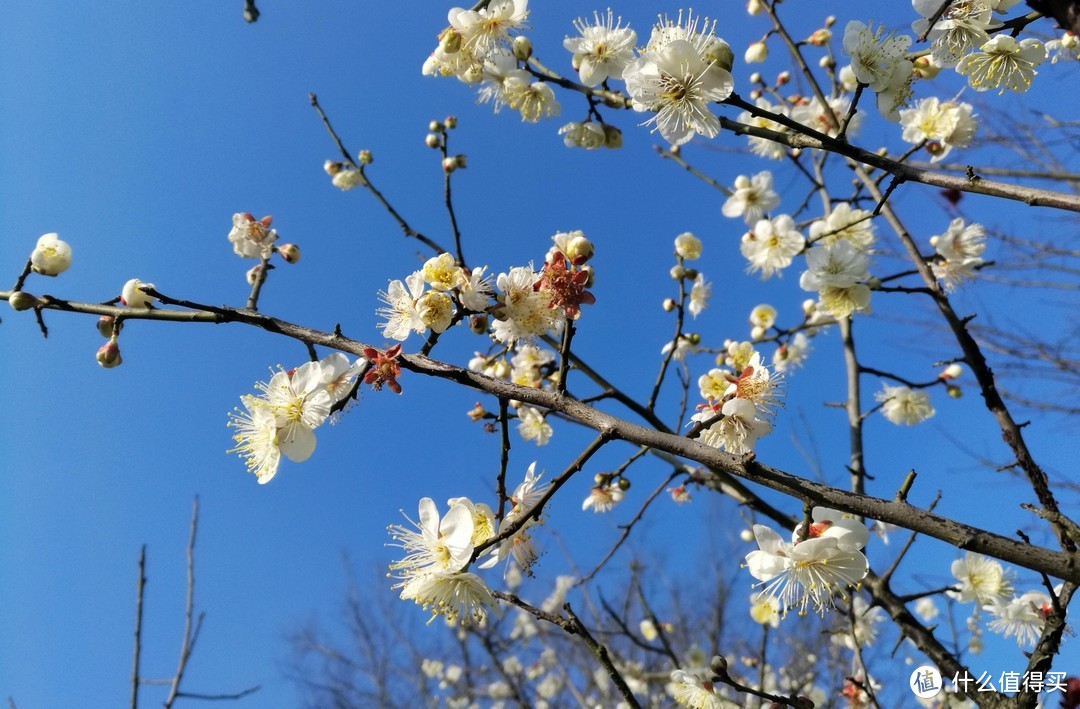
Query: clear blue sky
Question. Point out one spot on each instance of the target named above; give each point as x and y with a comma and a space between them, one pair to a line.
137, 130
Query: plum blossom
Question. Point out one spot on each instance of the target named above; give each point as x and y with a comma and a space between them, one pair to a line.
944, 124
252, 238
603, 498
874, 58
904, 406
687, 247
256, 438
51, 255
523, 311
700, 292
587, 135
1066, 48
1003, 63
402, 316
960, 251
763, 146
532, 426
771, 245
133, 296
691, 690
1024, 617
843, 222
752, 198
981, 579
962, 27
837, 272
603, 50
792, 354
485, 30
739, 429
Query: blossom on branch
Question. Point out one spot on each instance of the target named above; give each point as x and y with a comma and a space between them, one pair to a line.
1003, 63
51, 256
943, 124
603, 49
252, 238
904, 406
771, 245
752, 199
838, 273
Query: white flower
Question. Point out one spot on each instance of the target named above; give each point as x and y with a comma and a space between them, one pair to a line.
604, 49
843, 222
523, 312
436, 310
534, 100
1065, 49
486, 30
587, 135
771, 245
904, 406
438, 544
739, 429
495, 87
132, 295
348, 177
961, 28
339, 375
687, 246
864, 630
300, 403
482, 515
680, 347
252, 238
603, 498
947, 125
763, 146
752, 198
833, 524
532, 426
758, 386
792, 354
527, 364
1003, 63
981, 579
256, 438
692, 691
402, 316
874, 58
714, 384
459, 597
763, 316
1023, 616
926, 609
676, 80
764, 610
51, 256
442, 273
814, 114
960, 248
797, 575
475, 292
835, 272
699, 295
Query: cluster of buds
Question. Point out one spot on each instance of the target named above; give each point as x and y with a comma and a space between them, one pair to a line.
453, 162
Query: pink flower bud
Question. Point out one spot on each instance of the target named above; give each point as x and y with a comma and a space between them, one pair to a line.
289, 252
108, 355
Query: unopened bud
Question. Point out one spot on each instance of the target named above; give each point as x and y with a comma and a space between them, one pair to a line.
364, 157
477, 412
754, 7
747, 535
478, 324
450, 122
332, 168
934, 147
624, 484
108, 355
579, 250
600, 478
809, 306
925, 68
694, 338
107, 326
449, 164
289, 252
719, 54
826, 62
460, 160
675, 150
783, 78
432, 140
435, 127
874, 283
756, 53
677, 273
21, 300
755, 94
953, 371
757, 332
450, 41
253, 274
830, 20
953, 391
669, 304
820, 37
690, 274
719, 665
521, 47
755, 78
612, 137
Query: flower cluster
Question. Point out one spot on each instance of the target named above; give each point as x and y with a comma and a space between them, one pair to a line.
428, 299
809, 570
739, 408
282, 419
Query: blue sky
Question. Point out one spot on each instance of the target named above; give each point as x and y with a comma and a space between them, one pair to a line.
136, 131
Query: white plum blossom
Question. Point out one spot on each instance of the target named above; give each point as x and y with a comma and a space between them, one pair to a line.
700, 292
806, 573
588, 135
251, 237
439, 544
1003, 63
680, 347
863, 631
534, 100
687, 247
771, 245
960, 250
904, 406
51, 255
763, 146
962, 27
339, 375
843, 222
763, 316
532, 426
739, 429
837, 272
442, 272
475, 290
300, 402
752, 198
1067, 48
256, 438
1024, 617
133, 296
714, 384
792, 354
402, 316
944, 124
603, 498
485, 30
691, 690
981, 579
676, 79
348, 177
436, 310
874, 58
523, 312
604, 49
494, 87
816, 115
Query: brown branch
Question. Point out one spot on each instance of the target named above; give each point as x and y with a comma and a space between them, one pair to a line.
138, 628
186, 643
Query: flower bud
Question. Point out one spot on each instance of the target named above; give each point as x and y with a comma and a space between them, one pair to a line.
478, 324
874, 283
473, 75
809, 306
477, 412
108, 355
754, 7
756, 53
757, 332
826, 62
830, 20
953, 391
521, 48
253, 274
450, 122
435, 127
687, 246
432, 140
747, 535
364, 157
934, 147
668, 305
331, 168
108, 326
675, 150
694, 338
925, 68
612, 137
719, 665
133, 296
289, 252
624, 484
783, 78
579, 250
755, 94
450, 41
820, 37
690, 274
953, 371
677, 273
719, 54
51, 256
449, 164
755, 78
21, 300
